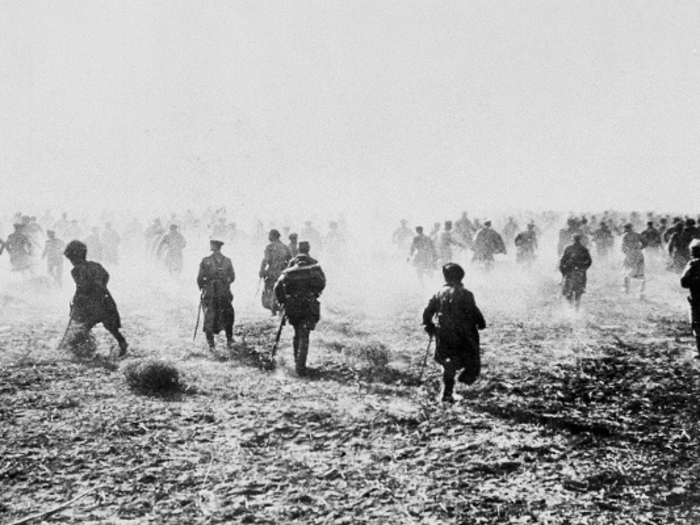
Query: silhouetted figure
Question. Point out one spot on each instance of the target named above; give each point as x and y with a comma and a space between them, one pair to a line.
171, 245
214, 280
573, 265
53, 253
275, 261
453, 318
690, 279
298, 290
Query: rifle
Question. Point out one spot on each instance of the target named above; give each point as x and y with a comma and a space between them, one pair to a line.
70, 321
199, 313
283, 321
425, 360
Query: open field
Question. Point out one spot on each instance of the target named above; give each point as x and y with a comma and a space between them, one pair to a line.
587, 417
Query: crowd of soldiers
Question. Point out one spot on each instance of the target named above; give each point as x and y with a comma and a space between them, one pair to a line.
292, 280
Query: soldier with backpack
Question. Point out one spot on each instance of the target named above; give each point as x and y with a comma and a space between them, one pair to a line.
298, 290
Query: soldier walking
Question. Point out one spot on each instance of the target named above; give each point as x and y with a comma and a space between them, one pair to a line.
573, 265
423, 255
275, 261
456, 333
298, 289
92, 302
690, 279
172, 244
632, 245
53, 253
214, 280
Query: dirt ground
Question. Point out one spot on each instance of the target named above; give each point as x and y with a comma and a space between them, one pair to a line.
579, 417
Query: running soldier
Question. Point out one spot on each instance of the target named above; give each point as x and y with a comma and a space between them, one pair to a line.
632, 245
298, 290
53, 253
446, 240
402, 236
488, 242
456, 332
678, 248
92, 302
172, 243
603, 239
526, 245
690, 279
275, 261
20, 248
573, 266
423, 254
214, 280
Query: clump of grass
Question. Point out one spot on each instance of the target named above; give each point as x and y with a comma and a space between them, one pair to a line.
154, 377
372, 359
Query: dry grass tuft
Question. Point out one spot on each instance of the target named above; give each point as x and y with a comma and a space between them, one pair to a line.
154, 376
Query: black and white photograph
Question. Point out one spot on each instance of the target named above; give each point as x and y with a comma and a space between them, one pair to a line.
333, 262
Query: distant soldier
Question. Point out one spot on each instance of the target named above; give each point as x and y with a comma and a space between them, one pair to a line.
53, 253
632, 245
510, 230
435, 232
293, 244
152, 236
423, 254
678, 248
651, 236
334, 244
20, 248
526, 245
454, 319
446, 240
690, 279
677, 225
94, 245
603, 239
172, 244
62, 227
275, 261
573, 265
92, 302
465, 229
402, 236
298, 290
487, 243
214, 280
110, 244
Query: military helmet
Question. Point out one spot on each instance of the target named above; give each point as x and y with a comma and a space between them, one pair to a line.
76, 250
274, 233
453, 272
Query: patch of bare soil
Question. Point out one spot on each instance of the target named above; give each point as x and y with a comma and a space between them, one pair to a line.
586, 417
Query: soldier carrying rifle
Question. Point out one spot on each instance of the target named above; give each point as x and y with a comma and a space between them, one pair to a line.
298, 289
214, 280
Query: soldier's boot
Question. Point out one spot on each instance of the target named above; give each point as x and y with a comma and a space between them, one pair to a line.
121, 341
210, 340
229, 338
302, 353
448, 390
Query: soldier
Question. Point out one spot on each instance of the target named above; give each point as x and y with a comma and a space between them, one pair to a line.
298, 289
402, 236
465, 229
652, 236
152, 236
111, 240
487, 243
678, 248
423, 254
603, 240
92, 302
526, 245
53, 253
457, 331
510, 230
214, 280
172, 244
293, 244
445, 241
690, 279
573, 266
20, 248
632, 245
275, 260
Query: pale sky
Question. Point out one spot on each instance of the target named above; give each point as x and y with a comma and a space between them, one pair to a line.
426, 107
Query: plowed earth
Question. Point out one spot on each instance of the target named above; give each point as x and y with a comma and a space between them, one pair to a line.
579, 417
